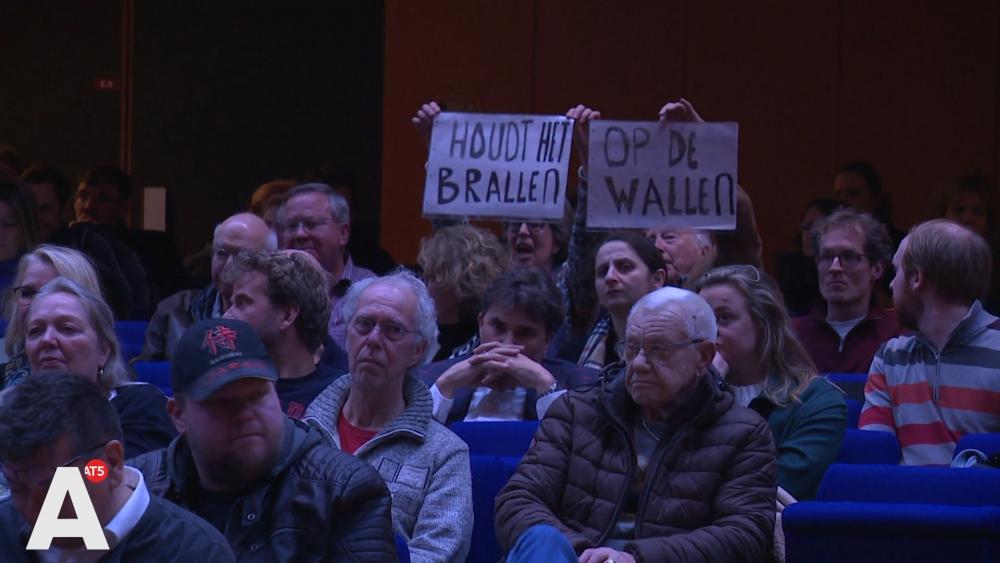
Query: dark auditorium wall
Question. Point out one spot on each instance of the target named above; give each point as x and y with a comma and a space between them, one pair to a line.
912, 86
226, 96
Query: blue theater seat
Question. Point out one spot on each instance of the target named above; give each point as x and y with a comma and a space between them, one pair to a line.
868, 447
853, 384
853, 413
156, 373
495, 450
131, 337
869, 513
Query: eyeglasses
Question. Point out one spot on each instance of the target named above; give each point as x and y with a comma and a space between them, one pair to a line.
848, 258
393, 332
512, 227
310, 225
25, 292
42, 476
657, 352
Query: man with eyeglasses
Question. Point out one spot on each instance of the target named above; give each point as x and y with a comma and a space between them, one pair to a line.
283, 296
266, 481
242, 232
317, 220
853, 250
659, 464
382, 415
62, 420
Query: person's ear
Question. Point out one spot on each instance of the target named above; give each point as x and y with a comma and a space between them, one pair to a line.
917, 281
114, 451
659, 278
706, 353
345, 234
288, 317
105, 353
175, 408
878, 269
479, 322
418, 353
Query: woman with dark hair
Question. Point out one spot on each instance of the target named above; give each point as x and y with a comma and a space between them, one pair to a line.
18, 229
770, 371
626, 267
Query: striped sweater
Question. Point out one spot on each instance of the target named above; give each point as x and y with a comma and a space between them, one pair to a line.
930, 398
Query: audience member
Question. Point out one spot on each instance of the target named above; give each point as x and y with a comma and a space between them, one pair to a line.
264, 480
283, 297
11, 163
508, 377
62, 420
687, 253
770, 371
69, 329
45, 263
267, 199
541, 245
626, 267
18, 229
316, 219
970, 200
859, 185
459, 262
797, 275
932, 387
52, 192
382, 415
656, 465
853, 254
243, 232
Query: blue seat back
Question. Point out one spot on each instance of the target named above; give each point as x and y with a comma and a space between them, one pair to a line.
155, 373
868, 447
853, 384
495, 450
910, 484
853, 413
131, 337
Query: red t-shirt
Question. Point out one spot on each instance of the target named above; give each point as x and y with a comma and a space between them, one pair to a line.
352, 437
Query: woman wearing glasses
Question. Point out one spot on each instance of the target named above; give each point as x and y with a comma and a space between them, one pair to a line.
770, 371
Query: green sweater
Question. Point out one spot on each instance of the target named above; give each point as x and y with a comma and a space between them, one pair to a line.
807, 434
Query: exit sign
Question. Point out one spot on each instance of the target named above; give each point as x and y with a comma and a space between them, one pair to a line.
107, 84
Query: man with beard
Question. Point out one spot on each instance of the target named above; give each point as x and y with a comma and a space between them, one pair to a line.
932, 387
843, 334
264, 480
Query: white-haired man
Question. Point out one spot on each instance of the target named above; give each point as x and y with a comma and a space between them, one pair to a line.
656, 465
383, 415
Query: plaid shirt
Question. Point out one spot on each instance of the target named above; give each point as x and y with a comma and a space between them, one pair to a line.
595, 353
338, 289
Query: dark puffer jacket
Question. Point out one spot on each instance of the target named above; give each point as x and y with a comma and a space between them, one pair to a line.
710, 487
320, 504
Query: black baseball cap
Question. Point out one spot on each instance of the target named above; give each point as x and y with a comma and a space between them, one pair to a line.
216, 352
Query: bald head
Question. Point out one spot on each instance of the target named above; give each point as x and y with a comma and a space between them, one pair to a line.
243, 232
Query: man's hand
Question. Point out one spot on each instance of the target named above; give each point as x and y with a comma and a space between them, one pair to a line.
424, 120
508, 368
602, 554
681, 110
469, 373
582, 116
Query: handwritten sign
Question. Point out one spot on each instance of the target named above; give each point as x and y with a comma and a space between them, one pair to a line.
644, 174
510, 166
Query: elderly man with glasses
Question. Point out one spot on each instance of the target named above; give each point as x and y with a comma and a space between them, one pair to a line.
382, 415
317, 220
658, 464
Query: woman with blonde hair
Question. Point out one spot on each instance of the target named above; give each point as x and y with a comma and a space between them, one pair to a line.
35, 269
770, 371
459, 262
70, 329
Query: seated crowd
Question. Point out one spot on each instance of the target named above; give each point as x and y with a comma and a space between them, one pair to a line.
680, 390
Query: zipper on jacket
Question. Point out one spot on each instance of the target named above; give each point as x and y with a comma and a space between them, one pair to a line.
659, 452
631, 472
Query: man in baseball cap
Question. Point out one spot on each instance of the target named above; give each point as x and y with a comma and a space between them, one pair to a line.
265, 481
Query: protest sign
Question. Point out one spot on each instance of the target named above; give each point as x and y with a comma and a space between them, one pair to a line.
647, 174
510, 166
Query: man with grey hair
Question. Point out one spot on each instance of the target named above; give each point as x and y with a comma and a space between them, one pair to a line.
383, 415
242, 232
658, 464
853, 250
317, 220
689, 253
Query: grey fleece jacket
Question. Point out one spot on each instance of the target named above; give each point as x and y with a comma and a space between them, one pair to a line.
424, 464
